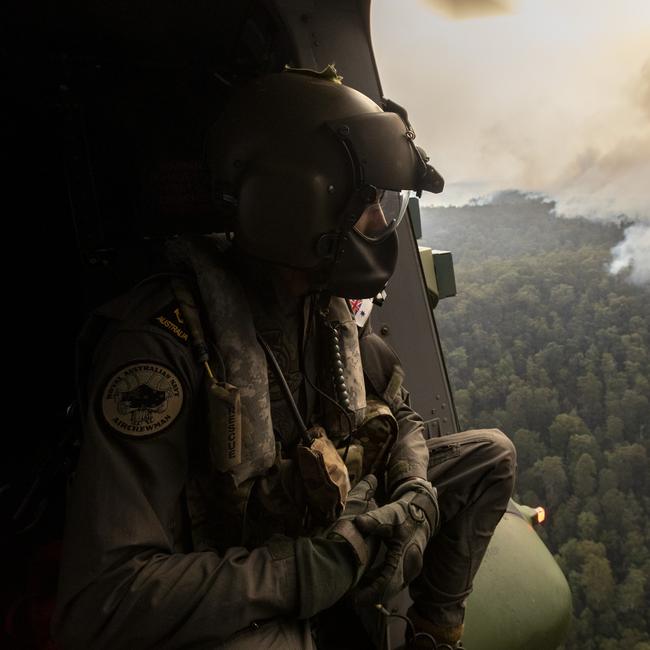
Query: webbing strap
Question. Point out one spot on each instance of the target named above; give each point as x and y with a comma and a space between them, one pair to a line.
282, 382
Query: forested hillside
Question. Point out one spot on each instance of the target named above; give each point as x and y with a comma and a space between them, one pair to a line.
544, 343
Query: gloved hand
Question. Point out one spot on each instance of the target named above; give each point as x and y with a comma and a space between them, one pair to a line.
361, 498
405, 525
360, 501
331, 564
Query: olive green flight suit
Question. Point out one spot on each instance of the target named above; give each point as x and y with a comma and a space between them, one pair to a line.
133, 575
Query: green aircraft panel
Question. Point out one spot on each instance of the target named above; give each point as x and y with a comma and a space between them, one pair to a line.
521, 599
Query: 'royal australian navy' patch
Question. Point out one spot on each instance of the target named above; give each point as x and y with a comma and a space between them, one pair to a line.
171, 319
142, 399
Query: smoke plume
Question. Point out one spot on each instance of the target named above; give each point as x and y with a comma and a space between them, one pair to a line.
551, 98
461, 9
609, 184
633, 254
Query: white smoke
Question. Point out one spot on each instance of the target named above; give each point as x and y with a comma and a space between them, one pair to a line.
633, 253
550, 97
616, 183
598, 169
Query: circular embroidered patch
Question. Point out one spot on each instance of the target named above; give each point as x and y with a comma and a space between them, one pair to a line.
142, 399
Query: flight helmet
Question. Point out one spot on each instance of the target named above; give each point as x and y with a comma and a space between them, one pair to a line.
318, 177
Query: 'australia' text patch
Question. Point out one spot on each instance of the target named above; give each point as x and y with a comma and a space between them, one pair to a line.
171, 319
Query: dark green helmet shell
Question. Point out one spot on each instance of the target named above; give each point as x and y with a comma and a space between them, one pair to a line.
291, 149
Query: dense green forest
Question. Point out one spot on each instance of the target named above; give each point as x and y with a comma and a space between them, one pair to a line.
543, 342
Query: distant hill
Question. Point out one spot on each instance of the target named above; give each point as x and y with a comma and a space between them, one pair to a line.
513, 224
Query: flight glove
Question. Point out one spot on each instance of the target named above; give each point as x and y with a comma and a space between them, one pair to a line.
360, 501
405, 525
330, 565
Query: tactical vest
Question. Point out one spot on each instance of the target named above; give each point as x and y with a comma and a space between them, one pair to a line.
237, 415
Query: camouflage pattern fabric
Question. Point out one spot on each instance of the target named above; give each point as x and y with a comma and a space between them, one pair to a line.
324, 475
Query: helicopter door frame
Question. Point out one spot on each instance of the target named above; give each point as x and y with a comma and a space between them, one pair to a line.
323, 32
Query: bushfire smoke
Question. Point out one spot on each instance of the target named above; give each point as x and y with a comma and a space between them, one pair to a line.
552, 98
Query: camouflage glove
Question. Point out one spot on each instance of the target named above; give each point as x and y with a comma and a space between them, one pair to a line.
361, 498
331, 564
360, 501
405, 525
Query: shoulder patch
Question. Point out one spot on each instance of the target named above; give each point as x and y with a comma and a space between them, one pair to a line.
171, 319
360, 309
142, 399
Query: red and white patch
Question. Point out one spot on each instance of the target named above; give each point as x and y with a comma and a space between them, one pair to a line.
361, 308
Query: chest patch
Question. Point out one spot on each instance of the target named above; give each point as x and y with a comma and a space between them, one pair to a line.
142, 399
171, 319
361, 309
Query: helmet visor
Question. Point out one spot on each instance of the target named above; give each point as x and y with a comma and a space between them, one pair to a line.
382, 217
384, 153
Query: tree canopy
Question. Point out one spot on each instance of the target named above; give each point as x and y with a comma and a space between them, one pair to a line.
543, 342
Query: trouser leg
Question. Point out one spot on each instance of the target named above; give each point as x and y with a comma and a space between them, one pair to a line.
276, 634
474, 473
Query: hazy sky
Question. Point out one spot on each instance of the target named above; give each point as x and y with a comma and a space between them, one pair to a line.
548, 96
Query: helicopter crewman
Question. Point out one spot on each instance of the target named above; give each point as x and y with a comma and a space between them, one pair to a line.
249, 455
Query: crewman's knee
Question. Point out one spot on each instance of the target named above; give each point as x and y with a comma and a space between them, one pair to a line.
503, 453
504, 445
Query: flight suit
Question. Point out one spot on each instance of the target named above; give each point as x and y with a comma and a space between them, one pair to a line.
148, 560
